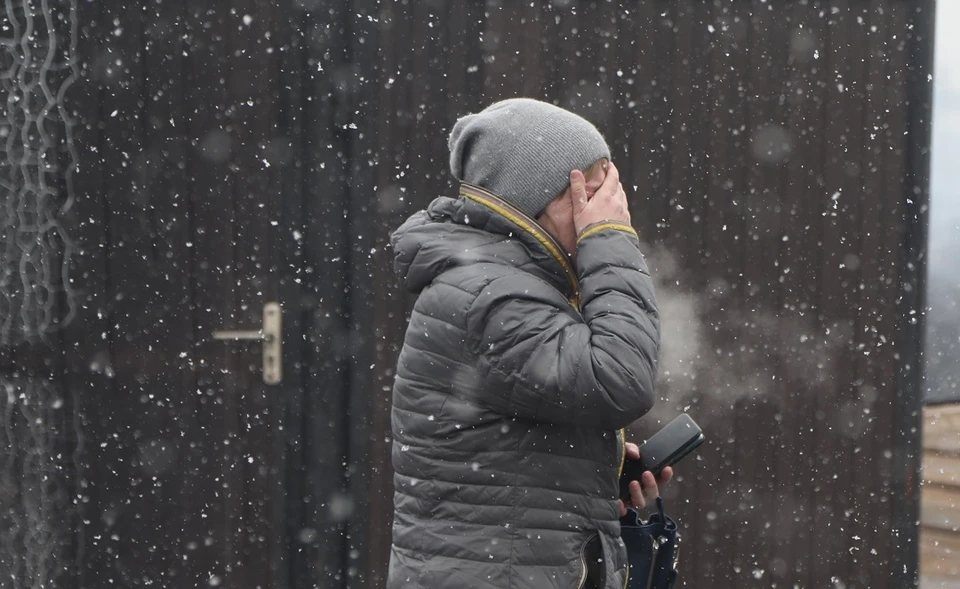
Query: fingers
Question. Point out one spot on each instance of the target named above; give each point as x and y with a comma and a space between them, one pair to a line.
646, 489
636, 495
608, 203
633, 451
623, 508
611, 183
578, 191
665, 475
650, 488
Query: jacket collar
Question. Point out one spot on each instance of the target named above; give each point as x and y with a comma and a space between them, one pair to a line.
529, 231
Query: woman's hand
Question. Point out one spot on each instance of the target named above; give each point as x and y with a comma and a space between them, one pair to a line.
648, 487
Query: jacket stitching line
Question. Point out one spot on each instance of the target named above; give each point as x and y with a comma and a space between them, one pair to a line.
468, 453
586, 517
438, 282
437, 319
431, 352
563, 566
608, 265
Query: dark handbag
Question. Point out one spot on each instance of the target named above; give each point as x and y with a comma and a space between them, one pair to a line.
652, 549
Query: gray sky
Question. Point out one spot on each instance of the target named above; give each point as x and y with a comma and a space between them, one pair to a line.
943, 318
945, 171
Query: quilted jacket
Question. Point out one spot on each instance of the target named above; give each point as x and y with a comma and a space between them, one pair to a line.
516, 377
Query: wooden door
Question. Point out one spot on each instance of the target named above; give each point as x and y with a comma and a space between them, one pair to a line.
181, 462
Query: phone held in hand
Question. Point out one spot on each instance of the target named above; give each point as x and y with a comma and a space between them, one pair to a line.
667, 447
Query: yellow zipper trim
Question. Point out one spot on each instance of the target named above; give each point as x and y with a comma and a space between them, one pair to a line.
622, 434
583, 561
490, 200
618, 226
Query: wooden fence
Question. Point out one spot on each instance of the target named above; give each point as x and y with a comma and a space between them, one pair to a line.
940, 498
244, 152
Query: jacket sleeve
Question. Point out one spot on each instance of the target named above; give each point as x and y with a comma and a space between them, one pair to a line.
540, 359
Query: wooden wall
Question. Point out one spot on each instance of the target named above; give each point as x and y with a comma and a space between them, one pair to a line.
236, 153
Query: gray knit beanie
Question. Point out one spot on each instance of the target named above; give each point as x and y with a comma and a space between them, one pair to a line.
523, 150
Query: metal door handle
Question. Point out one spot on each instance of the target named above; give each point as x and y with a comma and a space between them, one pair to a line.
271, 336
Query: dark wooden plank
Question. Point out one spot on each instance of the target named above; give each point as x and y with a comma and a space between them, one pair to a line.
836, 43
590, 87
404, 183
661, 116
87, 361
834, 430
425, 149
525, 43
760, 409
711, 391
135, 424
206, 533
498, 64
681, 227
298, 548
456, 20
637, 85
164, 190
474, 98
369, 513
252, 408
690, 220
550, 62
855, 515
800, 353
722, 263
681, 130
559, 20
852, 209
894, 471
912, 83
570, 59
324, 68
239, 361
867, 336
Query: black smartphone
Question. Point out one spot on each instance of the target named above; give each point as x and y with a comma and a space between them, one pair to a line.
677, 439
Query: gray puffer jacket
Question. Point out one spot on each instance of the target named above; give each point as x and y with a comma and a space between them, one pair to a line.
515, 380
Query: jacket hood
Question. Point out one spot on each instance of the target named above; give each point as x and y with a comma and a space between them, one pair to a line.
475, 228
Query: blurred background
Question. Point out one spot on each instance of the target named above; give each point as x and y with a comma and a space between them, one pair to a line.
173, 169
940, 505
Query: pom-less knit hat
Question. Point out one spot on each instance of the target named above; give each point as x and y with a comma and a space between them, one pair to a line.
523, 150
